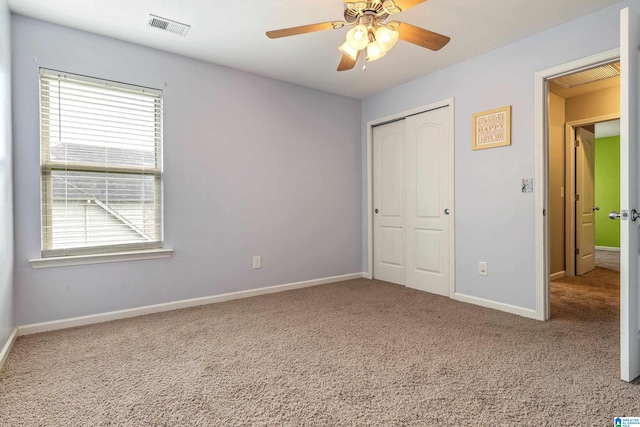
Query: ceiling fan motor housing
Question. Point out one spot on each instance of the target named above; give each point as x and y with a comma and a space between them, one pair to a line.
378, 10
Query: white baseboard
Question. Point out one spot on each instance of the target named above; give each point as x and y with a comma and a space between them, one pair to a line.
367, 276
175, 305
607, 248
4, 354
558, 275
513, 309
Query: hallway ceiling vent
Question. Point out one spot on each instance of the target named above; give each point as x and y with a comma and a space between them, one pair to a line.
168, 25
589, 76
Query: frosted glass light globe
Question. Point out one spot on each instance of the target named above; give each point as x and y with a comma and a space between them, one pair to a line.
386, 38
358, 37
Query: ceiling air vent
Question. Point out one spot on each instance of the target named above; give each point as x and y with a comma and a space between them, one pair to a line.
168, 25
589, 76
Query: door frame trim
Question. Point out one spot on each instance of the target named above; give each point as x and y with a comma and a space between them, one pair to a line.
399, 116
570, 187
542, 168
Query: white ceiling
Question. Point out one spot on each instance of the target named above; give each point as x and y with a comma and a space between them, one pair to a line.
610, 128
232, 33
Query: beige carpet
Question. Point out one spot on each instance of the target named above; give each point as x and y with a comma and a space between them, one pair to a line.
608, 259
356, 353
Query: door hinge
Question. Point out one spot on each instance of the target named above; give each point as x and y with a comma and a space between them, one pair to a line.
577, 251
577, 197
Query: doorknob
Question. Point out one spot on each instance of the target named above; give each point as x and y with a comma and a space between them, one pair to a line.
446, 211
376, 211
625, 214
595, 208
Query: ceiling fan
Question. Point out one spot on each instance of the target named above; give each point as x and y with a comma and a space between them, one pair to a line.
370, 31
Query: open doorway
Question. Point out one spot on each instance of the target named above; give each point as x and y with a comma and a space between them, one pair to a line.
583, 161
628, 313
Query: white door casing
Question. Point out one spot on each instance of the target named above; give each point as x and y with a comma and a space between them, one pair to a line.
389, 202
629, 194
585, 203
428, 198
629, 57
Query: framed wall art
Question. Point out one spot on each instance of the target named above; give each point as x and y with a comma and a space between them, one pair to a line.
492, 128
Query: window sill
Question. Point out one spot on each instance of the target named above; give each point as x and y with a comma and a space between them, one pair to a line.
64, 261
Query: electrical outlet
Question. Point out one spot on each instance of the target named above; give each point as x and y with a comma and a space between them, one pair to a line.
257, 262
483, 268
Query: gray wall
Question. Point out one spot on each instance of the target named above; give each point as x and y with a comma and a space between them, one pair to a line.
6, 186
494, 221
253, 166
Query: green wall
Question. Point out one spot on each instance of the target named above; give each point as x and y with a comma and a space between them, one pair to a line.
607, 190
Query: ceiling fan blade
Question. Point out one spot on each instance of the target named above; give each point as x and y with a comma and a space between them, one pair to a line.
346, 63
421, 37
285, 32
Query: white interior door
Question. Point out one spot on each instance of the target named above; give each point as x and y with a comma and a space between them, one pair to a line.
629, 188
388, 202
428, 201
585, 203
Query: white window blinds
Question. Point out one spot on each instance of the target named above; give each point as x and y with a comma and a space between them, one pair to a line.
101, 158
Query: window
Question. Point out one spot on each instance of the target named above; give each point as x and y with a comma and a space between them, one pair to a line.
101, 162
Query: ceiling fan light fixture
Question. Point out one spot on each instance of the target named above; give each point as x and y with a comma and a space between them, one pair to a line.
369, 34
357, 37
386, 38
348, 50
374, 51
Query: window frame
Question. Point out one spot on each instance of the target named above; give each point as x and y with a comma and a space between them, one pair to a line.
48, 166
